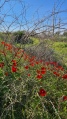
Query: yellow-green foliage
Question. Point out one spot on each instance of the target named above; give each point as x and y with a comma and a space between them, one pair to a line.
61, 49
35, 41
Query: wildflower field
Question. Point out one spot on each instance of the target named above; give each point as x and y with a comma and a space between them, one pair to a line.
31, 88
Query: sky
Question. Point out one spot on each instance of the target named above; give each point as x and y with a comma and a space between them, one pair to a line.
32, 11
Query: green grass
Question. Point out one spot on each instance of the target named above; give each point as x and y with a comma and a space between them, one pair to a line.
35, 41
61, 49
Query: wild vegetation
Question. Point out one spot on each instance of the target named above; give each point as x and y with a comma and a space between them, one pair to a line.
33, 62
32, 86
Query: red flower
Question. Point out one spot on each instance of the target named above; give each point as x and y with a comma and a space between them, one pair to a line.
14, 62
26, 67
14, 69
9, 46
47, 63
55, 73
32, 64
41, 61
28, 74
59, 68
39, 76
43, 70
32, 59
54, 63
64, 98
3, 43
37, 62
64, 76
42, 92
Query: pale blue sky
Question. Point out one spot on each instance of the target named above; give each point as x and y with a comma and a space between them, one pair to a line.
33, 10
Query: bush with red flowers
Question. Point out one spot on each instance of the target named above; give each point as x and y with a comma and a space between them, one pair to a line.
30, 88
